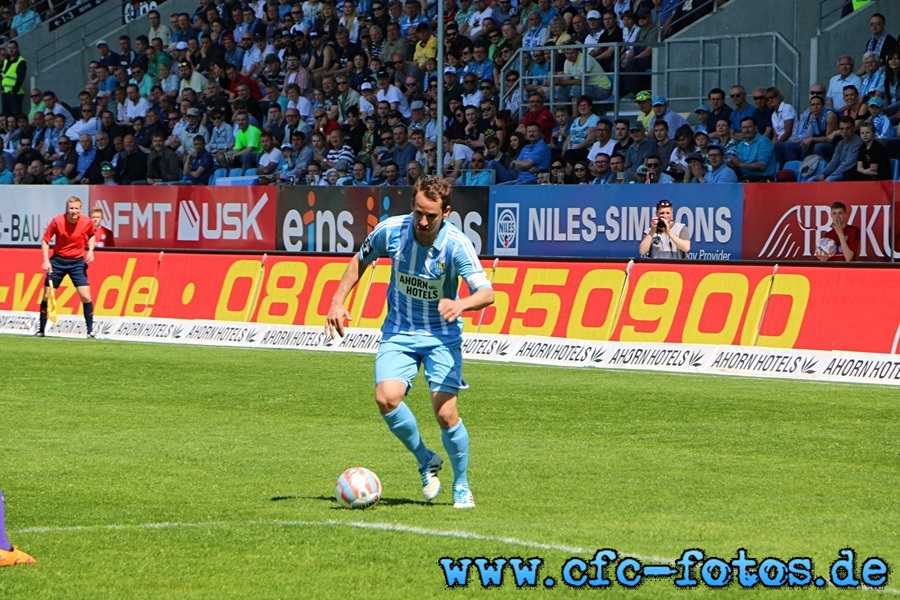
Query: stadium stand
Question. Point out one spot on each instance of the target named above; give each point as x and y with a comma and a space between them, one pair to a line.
301, 93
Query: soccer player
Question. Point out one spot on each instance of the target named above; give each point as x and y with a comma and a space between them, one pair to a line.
73, 232
103, 237
428, 256
9, 554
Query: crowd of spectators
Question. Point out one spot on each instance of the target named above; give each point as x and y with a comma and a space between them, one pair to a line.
317, 94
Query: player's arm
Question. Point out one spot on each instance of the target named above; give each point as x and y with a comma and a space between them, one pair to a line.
334, 324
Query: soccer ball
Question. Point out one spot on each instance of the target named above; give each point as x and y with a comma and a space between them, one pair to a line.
357, 487
827, 246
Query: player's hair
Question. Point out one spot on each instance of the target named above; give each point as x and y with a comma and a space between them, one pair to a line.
72, 200
97, 209
840, 205
436, 188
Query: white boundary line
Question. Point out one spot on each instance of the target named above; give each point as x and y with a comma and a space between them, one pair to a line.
464, 535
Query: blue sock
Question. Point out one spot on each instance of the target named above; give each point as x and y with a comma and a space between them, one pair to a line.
456, 443
4, 543
88, 315
402, 423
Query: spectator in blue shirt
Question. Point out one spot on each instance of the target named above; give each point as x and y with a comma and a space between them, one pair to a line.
477, 175
756, 154
718, 171
199, 164
534, 157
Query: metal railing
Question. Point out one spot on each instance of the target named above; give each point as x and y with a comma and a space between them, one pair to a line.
832, 11
760, 60
522, 59
81, 34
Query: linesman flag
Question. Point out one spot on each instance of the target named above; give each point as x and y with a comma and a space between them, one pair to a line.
51, 305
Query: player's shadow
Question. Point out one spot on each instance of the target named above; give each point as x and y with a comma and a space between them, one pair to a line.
331, 500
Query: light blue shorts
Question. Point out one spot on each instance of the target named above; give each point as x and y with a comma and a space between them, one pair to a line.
400, 356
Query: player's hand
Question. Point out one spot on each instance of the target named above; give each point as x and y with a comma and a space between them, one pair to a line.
824, 256
334, 323
45, 266
838, 225
89, 257
450, 310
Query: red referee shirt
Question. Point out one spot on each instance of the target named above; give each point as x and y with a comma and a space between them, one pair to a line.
71, 238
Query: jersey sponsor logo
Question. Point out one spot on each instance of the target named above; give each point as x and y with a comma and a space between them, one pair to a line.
419, 287
506, 239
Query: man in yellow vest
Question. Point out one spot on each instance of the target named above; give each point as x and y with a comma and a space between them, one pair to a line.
13, 71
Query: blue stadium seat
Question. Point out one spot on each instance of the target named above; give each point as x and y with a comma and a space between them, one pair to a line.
793, 165
895, 169
216, 174
236, 172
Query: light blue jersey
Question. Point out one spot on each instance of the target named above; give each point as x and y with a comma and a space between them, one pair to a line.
422, 276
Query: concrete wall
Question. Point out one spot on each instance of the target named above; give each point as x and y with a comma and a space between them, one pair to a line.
58, 60
798, 21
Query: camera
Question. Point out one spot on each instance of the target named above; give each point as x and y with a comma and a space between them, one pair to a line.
660, 226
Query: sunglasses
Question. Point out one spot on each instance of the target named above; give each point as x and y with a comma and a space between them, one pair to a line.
759, 97
815, 93
556, 166
476, 161
663, 204
652, 165
736, 95
580, 170
430, 149
35, 95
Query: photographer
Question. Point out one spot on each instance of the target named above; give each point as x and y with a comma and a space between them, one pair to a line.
665, 238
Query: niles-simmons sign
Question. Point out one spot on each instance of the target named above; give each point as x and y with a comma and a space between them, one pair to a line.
610, 221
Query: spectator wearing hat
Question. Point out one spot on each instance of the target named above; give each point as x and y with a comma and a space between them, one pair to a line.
368, 102
426, 47
107, 174
645, 108
189, 78
233, 53
193, 128
391, 94
158, 29
322, 58
698, 122
882, 125
107, 56
661, 111
57, 176
641, 146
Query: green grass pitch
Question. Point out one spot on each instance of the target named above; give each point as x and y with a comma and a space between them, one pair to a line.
153, 471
